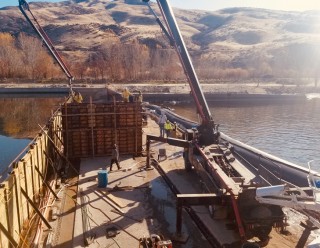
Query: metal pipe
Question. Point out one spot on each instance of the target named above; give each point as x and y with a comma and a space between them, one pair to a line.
161, 25
202, 106
44, 37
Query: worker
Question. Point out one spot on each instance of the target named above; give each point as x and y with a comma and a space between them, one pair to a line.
115, 157
77, 97
162, 120
168, 128
126, 94
174, 130
131, 98
139, 99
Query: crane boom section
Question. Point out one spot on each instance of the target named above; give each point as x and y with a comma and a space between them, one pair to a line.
202, 106
23, 5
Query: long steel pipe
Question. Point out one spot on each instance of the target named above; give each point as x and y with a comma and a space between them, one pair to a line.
202, 106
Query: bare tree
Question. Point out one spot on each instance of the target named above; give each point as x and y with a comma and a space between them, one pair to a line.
37, 62
9, 56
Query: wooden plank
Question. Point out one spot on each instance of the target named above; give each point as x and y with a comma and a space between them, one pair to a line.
114, 199
111, 203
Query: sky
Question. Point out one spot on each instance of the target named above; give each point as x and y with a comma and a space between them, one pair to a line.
289, 5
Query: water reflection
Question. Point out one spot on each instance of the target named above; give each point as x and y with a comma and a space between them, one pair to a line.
289, 130
10, 148
19, 120
19, 117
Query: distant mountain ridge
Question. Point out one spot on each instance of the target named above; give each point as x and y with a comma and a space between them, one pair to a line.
247, 38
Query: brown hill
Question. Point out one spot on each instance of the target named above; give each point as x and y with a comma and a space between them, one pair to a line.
259, 41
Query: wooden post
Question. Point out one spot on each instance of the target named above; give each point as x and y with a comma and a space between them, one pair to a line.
17, 198
44, 165
91, 124
148, 153
58, 151
6, 198
115, 121
57, 136
50, 162
66, 131
37, 163
44, 181
26, 183
136, 129
32, 177
7, 234
35, 208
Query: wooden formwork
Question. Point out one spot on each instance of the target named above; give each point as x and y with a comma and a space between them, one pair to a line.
91, 129
23, 195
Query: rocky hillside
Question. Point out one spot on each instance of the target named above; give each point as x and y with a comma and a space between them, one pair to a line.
261, 40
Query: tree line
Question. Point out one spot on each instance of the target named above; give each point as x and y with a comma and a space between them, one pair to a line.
25, 57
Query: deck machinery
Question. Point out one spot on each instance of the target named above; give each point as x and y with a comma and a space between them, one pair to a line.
232, 187
254, 203
221, 173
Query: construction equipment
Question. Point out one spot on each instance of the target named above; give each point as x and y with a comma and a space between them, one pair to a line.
24, 8
155, 241
296, 198
207, 128
240, 188
219, 170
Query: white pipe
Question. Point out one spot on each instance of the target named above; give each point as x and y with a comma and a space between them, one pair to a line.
263, 154
270, 191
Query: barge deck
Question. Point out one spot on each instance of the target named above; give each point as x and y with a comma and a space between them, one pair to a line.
138, 202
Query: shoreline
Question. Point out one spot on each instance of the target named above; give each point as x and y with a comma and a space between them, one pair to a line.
168, 92
221, 97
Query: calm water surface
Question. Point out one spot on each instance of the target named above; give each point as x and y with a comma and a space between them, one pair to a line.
19, 123
289, 130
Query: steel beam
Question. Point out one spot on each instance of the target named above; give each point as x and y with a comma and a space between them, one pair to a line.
148, 153
195, 200
170, 141
201, 199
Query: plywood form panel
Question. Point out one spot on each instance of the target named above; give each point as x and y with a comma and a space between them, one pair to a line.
105, 124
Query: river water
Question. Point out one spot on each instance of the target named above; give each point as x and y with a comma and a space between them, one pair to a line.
20, 118
289, 130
